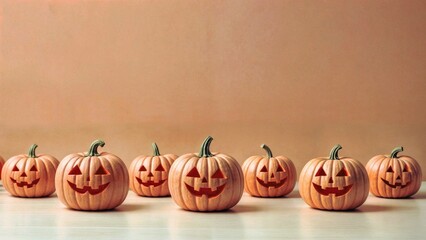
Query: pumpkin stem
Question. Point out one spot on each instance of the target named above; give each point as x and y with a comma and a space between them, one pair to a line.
395, 152
31, 152
334, 154
93, 151
155, 148
267, 149
205, 148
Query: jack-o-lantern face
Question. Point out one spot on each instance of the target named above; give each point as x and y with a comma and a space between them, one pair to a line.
206, 181
149, 174
30, 175
92, 180
334, 183
269, 176
76, 172
206, 185
394, 176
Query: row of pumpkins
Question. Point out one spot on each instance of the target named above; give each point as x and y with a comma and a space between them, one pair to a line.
207, 181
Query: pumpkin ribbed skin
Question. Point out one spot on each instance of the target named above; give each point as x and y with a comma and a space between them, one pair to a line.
30, 175
149, 174
219, 186
278, 180
394, 176
101, 180
1, 165
321, 186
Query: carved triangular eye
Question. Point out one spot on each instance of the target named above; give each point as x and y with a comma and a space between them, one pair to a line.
193, 173
159, 168
280, 169
218, 174
75, 171
15, 168
405, 169
101, 171
33, 168
320, 172
264, 169
342, 173
390, 169
142, 168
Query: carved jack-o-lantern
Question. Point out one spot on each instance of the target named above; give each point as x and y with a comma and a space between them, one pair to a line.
1, 165
334, 183
30, 175
149, 174
207, 181
92, 180
269, 176
394, 176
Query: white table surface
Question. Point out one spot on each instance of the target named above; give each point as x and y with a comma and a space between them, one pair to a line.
252, 218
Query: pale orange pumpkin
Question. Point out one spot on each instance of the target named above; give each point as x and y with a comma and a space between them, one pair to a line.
394, 176
149, 174
30, 175
92, 180
1, 165
334, 183
269, 176
206, 181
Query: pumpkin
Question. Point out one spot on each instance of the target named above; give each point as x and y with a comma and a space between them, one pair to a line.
394, 176
268, 176
30, 175
1, 165
148, 174
334, 183
206, 181
92, 180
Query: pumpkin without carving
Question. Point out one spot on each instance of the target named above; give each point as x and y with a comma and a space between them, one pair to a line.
268, 176
92, 180
206, 181
148, 174
30, 175
394, 176
334, 183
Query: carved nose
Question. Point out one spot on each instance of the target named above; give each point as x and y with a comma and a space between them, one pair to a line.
88, 178
272, 175
330, 180
204, 180
150, 174
398, 178
23, 174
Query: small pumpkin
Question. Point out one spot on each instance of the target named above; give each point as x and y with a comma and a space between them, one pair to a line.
269, 176
206, 181
30, 175
92, 180
334, 183
149, 174
1, 165
394, 176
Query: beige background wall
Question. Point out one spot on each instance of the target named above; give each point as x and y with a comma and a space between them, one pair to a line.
300, 76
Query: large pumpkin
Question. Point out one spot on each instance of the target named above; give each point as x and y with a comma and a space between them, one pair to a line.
30, 175
269, 176
92, 180
206, 181
149, 174
394, 176
334, 183
1, 165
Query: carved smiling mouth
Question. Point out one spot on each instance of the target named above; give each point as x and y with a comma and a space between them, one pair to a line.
25, 184
206, 191
398, 184
332, 190
150, 182
271, 184
88, 188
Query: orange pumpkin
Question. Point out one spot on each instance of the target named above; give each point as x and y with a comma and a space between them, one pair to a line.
269, 176
394, 176
334, 183
148, 174
92, 180
206, 181
30, 175
1, 165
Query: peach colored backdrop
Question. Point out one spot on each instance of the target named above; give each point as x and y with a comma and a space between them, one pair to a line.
300, 76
